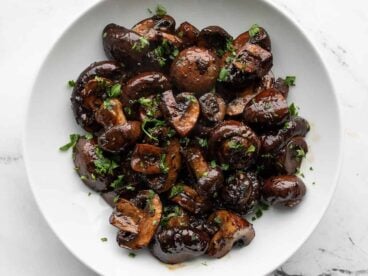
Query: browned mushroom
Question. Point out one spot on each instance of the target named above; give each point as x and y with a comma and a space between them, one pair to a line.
118, 138
145, 84
110, 113
281, 86
235, 144
208, 180
213, 37
137, 219
233, 230
188, 33
258, 35
181, 111
189, 199
267, 108
195, 70
170, 164
164, 24
287, 190
86, 154
146, 159
174, 216
213, 107
241, 192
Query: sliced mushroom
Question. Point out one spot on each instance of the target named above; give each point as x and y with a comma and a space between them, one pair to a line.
181, 111
273, 141
84, 157
137, 219
234, 230
110, 113
235, 144
287, 190
188, 33
170, 163
241, 192
267, 108
174, 216
146, 159
189, 199
118, 138
208, 179
260, 38
176, 245
145, 84
213, 107
195, 70
213, 37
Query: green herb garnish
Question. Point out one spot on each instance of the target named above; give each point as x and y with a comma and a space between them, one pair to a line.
224, 74
202, 142
300, 153
251, 149
293, 109
254, 30
176, 189
163, 166
71, 83
114, 91
118, 182
217, 220
104, 165
141, 44
290, 80
213, 164
225, 167
132, 255
104, 239
73, 141
156, 123
160, 10
235, 144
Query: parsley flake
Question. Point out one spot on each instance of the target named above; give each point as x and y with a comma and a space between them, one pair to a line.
71, 83
290, 80
73, 141
114, 91
104, 239
293, 109
224, 74
176, 189
161, 10
118, 182
254, 30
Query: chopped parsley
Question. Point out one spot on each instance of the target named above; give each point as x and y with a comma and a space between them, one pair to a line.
161, 10
73, 141
104, 165
184, 140
114, 91
128, 110
107, 104
116, 198
176, 189
300, 153
217, 220
254, 30
104, 239
311, 168
251, 149
166, 49
290, 80
287, 125
225, 167
151, 105
213, 164
260, 209
89, 193
141, 44
171, 132
149, 11
224, 74
293, 109
202, 142
191, 98
118, 182
163, 166
132, 255
71, 83
156, 123
235, 144
83, 177
89, 136
151, 195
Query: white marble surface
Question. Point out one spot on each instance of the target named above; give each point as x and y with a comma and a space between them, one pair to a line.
339, 246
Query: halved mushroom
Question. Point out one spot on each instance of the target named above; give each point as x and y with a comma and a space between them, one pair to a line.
189, 199
235, 144
188, 33
146, 159
260, 37
208, 179
287, 190
267, 108
181, 111
164, 24
137, 219
176, 245
213, 107
195, 70
241, 192
170, 164
213, 37
110, 113
234, 230
118, 138
84, 157
273, 141
145, 84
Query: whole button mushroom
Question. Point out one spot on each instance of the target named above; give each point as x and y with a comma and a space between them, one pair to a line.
137, 219
176, 245
235, 144
267, 108
181, 111
233, 230
287, 190
195, 69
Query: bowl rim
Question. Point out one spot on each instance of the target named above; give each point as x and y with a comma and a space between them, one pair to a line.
274, 6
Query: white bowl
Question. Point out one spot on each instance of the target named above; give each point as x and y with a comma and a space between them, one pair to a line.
80, 220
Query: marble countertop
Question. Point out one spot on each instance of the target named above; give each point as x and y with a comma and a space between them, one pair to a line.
339, 245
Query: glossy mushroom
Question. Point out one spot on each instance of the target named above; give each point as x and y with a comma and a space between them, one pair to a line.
110, 114
213, 37
188, 33
213, 107
146, 159
137, 219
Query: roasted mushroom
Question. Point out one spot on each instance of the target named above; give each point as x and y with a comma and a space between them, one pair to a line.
110, 113
189, 199
241, 192
146, 159
208, 180
181, 111
148, 26
188, 33
137, 219
176, 245
213, 107
287, 190
214, 37
233, 230
195, 70
235, 144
